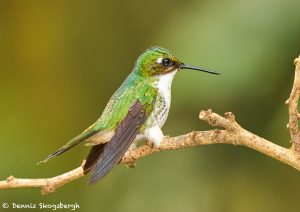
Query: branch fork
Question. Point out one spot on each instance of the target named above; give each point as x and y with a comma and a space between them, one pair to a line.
232, 133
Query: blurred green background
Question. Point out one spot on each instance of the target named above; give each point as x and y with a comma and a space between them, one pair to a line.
60, 61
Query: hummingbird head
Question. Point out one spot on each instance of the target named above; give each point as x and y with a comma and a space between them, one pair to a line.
157, 61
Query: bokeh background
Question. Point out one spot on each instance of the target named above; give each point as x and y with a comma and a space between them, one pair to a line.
60, 61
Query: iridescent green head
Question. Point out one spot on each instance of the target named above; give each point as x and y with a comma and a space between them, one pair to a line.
158, 61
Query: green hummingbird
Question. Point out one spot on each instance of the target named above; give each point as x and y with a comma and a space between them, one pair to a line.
138, 109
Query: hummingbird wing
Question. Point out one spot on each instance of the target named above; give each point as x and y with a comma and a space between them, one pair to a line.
116, 111
113, 151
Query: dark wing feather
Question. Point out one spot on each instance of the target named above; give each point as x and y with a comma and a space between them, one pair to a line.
115, 149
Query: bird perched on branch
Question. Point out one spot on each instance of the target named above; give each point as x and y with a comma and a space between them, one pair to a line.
139, 108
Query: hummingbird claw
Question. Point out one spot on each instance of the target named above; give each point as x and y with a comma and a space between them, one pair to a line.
151, 144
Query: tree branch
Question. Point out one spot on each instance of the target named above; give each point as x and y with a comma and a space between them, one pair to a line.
47, 185
233, 133
292, 103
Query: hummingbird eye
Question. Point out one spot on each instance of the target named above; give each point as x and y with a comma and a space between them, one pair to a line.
166, 62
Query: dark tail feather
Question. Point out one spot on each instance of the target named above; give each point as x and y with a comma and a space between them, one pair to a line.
58, 152
92, 158
75, 141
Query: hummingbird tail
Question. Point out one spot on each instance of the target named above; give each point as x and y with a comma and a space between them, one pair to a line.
56, 153
92, 158
73, 142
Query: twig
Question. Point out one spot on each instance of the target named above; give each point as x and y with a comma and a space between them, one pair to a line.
233, 133
292, 103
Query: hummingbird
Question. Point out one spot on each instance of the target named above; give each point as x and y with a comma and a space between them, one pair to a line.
138, 109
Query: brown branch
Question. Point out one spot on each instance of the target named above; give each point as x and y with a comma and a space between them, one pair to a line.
233, 133
47, 185
292, 103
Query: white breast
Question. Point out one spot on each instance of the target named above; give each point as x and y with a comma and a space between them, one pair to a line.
164, 86
163, 101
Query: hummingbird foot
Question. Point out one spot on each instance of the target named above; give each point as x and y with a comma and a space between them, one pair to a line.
150, 144
154, 136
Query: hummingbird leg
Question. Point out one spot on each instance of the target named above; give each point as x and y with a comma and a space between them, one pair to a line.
150, 144
154, 136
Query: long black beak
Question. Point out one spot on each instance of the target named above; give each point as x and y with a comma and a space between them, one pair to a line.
185, 66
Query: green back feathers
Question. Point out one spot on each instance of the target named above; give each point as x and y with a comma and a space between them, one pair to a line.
133, 88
